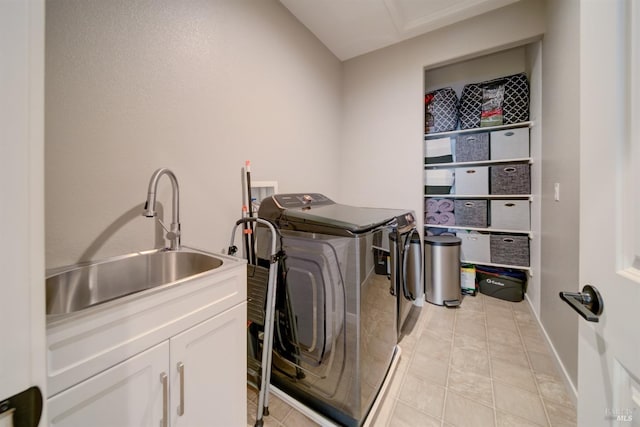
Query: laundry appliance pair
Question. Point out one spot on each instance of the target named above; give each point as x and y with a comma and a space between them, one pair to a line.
337, 322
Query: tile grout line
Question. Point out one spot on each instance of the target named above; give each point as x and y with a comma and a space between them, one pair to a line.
531, 370
493, 391
406, 372
446, 383
403, 378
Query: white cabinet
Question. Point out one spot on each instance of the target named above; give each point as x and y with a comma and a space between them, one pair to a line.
129, 394
201, 371
105, 369
208, 365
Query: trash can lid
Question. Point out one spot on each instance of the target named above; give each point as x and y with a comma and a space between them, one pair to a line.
442, 241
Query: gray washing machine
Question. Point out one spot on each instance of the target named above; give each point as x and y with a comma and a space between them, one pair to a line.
336, 321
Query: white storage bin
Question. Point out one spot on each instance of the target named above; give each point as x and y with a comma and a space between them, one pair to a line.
438, 181
474, 180
509, 144
476, 247
438, 151
510, 214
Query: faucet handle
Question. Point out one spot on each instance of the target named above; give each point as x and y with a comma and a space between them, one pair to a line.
172, 235
163, 226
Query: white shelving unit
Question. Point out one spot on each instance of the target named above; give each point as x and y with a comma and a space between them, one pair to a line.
479, 196
491, 264
479, 163
474, 130
489, 162
487, 229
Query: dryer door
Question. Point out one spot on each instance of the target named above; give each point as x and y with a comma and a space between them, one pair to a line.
316, 296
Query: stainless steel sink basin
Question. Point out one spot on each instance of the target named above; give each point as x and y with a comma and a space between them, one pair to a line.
79, 287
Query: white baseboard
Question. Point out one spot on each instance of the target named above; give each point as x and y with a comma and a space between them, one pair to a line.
571, 388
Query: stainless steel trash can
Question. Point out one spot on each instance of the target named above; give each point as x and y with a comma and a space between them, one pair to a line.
442, 270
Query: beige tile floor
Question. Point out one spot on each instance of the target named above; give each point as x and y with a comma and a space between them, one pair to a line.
483, 364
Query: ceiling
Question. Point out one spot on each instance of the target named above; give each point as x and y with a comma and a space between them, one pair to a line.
353, 27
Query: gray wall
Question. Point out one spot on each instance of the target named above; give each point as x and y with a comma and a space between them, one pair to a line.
198, 86
560, 164
201, 86
383, 131
383, 102
382, 158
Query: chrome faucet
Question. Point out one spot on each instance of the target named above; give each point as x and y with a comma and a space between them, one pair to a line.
173, 233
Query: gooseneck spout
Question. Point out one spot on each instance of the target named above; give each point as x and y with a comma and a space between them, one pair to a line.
173, 233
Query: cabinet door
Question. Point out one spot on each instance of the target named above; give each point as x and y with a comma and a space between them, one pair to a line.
128, 394
212, 380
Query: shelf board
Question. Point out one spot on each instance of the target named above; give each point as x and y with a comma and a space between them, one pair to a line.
491, 264
484, 129
479, 196
477, 163
493, 230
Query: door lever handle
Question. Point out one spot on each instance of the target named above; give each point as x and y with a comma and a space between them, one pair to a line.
587, 303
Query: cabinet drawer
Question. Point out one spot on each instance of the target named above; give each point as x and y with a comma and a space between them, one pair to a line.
473, 180
510, 144
476, 247
510, 214
472, 147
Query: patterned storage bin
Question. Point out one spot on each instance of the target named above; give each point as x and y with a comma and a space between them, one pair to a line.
471, 213
440, 110
510, 249
515, 103
470, 106
511, 179
472, 147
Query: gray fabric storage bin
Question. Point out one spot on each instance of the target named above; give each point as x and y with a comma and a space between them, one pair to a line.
511, 179
510, 249
510, 214
472, 181
472, 147
471, 213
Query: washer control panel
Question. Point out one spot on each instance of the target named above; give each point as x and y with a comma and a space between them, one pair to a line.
406, 222
301, 200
